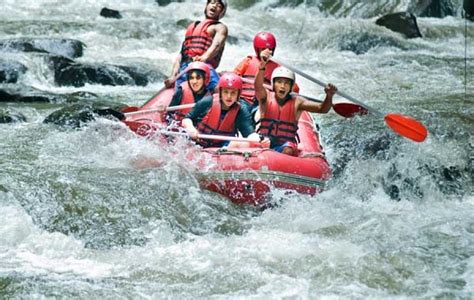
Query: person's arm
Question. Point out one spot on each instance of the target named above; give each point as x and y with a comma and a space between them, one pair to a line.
189, 127
217, 45
177, 97
315, 107
260, 92
244, 123
195, 116
169, 82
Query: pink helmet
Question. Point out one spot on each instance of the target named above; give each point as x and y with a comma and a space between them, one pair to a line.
262, 41
197, 65
231, 81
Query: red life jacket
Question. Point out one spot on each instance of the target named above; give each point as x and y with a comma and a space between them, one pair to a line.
248, 89
188, 98
212, 124
197, 41
279, 122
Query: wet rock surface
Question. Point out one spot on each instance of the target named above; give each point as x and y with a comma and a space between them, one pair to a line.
70, 73
10, 71
64, 47
402, 22
110, 13
9, 116
77, 114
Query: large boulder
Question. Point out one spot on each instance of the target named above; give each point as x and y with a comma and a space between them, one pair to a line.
434, 8
166, 2
10, 71
63, 47
402, 22
27, 95
77, 114
9, 116
70, 73
468, 7
110, 13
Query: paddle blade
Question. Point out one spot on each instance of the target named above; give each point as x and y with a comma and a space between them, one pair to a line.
349, 110
129, 109
407, 127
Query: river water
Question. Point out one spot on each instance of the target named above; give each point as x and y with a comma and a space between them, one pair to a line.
78, 221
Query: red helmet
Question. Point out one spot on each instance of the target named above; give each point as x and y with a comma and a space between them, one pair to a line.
262, 41
198, 65
231, 81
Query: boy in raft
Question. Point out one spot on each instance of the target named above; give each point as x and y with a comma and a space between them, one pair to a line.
192, 90
280, 111
264, 43
204, 41
222, 114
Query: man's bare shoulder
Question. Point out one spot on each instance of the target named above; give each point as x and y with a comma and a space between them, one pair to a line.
218, 27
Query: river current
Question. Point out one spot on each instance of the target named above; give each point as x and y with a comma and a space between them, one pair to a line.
78, 221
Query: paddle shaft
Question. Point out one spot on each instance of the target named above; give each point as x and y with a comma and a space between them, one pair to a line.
311, 78
209, 136
268, 87
170, 108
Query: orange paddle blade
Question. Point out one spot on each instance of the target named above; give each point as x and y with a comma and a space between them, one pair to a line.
349, 110
407, 127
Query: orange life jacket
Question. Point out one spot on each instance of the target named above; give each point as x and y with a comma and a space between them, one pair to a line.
212, 124
248, 89
197, 41
279, 122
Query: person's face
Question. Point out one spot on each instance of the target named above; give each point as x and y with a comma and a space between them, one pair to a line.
282, 87
229, 97
196, 81
214, 9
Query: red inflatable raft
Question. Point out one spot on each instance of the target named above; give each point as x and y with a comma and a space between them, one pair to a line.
247, 175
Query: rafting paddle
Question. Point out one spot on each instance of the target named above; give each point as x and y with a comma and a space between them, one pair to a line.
135, 110
347, 110
403, 125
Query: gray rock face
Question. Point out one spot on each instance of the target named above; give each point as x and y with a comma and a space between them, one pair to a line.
29, 96
70, 73
110, 13
468, 7
402, 22
166, 2
63, 47
434, 8
10, 71
8, 116
77, 114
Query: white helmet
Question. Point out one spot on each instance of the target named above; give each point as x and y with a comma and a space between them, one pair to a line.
282, 72
224, 4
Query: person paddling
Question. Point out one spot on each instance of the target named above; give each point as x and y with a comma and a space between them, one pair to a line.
192, 90
264, 44
280, 111
204, 41
221, 114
